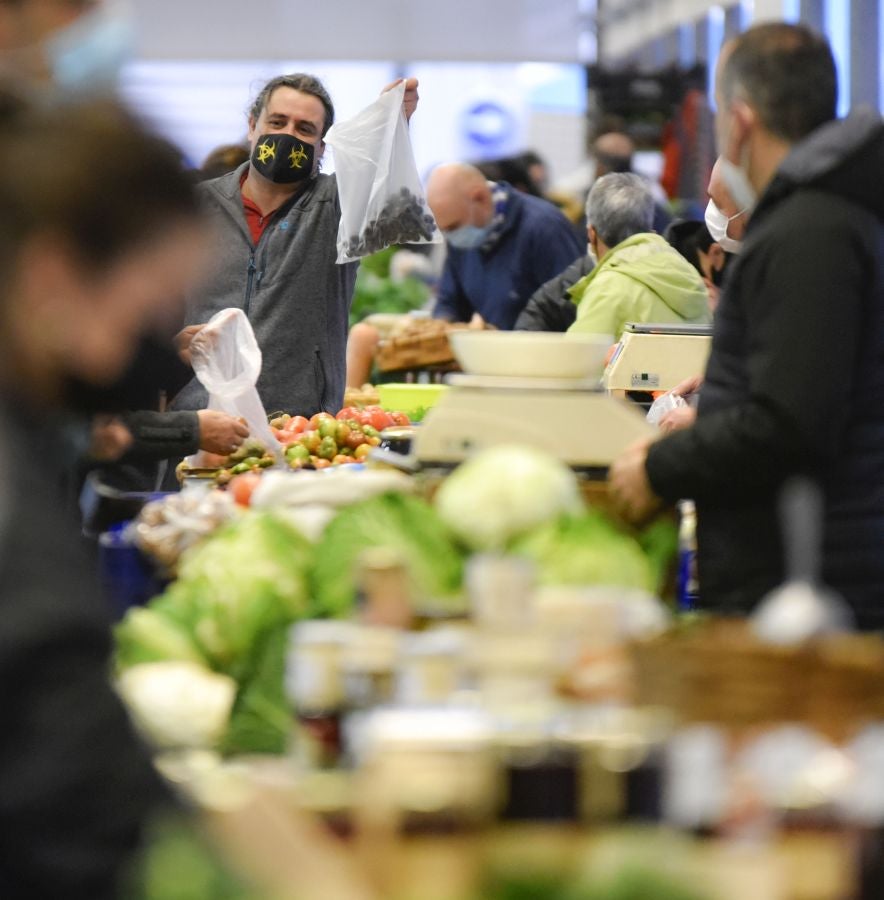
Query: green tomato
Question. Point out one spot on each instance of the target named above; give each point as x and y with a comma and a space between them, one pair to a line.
328, 428
297, 451
328, 449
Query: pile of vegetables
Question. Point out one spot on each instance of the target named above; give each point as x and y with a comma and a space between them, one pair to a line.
405, 524
520, 500
377, 292
228, 613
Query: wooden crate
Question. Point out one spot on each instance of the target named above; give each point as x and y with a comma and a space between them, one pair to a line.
412, 351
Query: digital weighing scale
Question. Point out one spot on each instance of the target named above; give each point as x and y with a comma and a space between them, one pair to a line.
575, 421
657, 357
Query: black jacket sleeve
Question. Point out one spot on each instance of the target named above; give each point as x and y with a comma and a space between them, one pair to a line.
550, 308
801, 300
158, 435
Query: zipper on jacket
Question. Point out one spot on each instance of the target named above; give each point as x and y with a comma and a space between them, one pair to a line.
249, 281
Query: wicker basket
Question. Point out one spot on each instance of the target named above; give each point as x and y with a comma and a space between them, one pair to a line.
719, 672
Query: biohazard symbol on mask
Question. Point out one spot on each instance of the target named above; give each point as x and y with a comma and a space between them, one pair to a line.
297, 157
266, 151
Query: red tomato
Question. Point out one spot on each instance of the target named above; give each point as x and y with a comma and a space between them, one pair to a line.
399, 418
378, 418
348, 412
297, 425
243, 486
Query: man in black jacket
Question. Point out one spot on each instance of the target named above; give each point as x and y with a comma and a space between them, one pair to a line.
795, 380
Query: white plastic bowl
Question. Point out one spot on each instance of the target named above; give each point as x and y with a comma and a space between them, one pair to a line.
531, 354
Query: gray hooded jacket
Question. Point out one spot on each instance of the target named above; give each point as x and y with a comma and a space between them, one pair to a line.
296, 296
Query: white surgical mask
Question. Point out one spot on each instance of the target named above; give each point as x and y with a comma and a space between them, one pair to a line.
89, 53
717, 223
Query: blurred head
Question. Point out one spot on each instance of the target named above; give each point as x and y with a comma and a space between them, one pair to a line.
513, 170
775, 84
619, 205
99, 239
222, 160
613, 153
460, 198
538, 171
77, 44
297, 105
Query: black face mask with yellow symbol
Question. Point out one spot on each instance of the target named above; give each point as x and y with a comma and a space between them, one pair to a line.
283, 158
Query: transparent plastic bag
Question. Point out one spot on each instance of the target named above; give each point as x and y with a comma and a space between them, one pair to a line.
227, 362
662, 405
382, 199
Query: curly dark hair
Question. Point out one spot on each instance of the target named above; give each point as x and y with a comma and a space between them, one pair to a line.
298, 81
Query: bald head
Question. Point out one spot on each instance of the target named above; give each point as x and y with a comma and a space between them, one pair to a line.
459, 195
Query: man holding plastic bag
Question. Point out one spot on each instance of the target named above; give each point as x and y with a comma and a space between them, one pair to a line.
277, 225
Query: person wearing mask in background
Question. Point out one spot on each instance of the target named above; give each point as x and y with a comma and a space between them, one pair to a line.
692, 240
794, 384
502, 245
276, 225
724, 219
638, 277
96, 249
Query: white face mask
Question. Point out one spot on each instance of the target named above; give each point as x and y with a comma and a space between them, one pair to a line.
717, 223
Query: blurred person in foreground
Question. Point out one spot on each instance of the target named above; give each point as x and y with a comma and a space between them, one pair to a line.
100, 239
794, 383
639, 277
79, 47
502, 245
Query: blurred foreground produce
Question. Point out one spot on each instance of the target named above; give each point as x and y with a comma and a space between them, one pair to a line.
178, 864
590, 549
408, 526
502, 493
228, 611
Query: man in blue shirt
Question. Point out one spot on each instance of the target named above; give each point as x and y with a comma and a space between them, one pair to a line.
502, 245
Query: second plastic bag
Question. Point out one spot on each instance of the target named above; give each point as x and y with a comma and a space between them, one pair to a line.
382, 200
227, 361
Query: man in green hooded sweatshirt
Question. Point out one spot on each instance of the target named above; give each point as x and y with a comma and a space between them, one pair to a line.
639, 277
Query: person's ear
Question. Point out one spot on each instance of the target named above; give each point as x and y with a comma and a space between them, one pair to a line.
742, 122
252, 132
716, 256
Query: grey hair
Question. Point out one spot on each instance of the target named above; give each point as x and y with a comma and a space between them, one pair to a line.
620, 205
